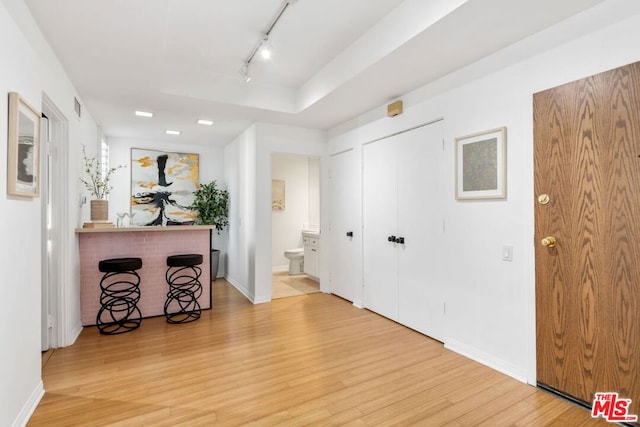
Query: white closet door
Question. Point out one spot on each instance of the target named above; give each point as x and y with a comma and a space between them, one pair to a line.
380, 220
420, 219
345, 261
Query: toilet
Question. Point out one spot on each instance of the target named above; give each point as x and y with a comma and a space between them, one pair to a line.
296, 260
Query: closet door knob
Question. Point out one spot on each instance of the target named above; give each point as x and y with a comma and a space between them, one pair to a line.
391, 239
400, 240
349, 233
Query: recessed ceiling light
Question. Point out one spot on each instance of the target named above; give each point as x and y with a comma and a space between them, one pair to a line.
205, 122
172, 132
144, 113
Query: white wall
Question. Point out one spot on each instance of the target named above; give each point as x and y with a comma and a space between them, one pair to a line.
30, 68
491, 303
302, 206
239, 172
314, 192
211, 161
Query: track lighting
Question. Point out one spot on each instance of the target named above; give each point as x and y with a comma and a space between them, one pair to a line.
244, 72
265, 49
264, 46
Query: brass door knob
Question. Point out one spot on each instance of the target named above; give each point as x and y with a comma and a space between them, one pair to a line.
549, 242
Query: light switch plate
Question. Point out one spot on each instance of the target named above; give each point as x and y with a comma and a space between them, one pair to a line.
507, 253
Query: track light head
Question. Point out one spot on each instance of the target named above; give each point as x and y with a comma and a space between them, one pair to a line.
265, 48
244, 72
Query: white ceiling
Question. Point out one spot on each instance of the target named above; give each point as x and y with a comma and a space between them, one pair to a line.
332, 59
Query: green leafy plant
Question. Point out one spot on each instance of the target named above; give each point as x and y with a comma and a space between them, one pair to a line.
98, 183
212, 205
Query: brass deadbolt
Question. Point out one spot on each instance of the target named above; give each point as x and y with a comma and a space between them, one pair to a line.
549, 242
543, 199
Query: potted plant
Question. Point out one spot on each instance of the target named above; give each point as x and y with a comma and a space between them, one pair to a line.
99, 185
212, 206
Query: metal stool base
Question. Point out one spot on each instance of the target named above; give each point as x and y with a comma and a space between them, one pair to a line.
181, 305
119, 312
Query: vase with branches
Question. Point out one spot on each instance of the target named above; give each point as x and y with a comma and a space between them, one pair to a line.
98, 183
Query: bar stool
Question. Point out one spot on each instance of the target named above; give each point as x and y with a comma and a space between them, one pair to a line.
183, 274
120, 286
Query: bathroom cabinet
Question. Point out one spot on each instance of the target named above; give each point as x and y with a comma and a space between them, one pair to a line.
311, 243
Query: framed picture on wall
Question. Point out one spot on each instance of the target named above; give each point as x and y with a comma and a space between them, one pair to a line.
23, 148
481, 165
277, 195
162, 187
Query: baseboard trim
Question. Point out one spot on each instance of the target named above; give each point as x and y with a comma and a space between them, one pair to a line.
240, 289
75, 333
486, 359
29, 406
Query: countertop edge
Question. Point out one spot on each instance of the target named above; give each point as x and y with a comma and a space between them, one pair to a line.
144, 229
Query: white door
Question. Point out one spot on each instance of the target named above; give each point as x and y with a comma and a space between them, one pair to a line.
380, 222
55, 173
420, 223
45, 155
345, 236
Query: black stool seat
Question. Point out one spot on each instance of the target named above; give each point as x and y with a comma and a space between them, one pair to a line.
119, 297
119, 265
183, 278
186, 260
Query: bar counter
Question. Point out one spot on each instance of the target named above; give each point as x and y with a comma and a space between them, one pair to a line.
153, 245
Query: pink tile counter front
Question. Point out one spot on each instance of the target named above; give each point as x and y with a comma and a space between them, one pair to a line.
153, 245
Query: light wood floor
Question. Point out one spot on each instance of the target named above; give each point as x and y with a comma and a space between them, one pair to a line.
308, 360
285, 285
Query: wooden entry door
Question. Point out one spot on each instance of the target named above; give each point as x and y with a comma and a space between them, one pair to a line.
587, 148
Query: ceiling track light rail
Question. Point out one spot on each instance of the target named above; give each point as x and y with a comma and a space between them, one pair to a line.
263, 43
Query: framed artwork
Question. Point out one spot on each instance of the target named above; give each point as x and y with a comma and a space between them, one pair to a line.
162, 186
23, 157
277, 195
481, 165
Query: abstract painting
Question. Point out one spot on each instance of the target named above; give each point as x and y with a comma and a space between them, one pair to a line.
162, 186
481, 165
23, 148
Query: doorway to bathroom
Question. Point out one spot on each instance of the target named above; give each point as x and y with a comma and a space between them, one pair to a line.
295, 224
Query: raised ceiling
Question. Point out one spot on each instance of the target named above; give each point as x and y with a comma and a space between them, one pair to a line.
332, 59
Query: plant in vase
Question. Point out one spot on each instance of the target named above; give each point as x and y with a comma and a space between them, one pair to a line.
212, 206
99, 186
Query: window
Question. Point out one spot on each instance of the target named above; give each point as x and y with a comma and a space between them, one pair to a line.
104, 157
